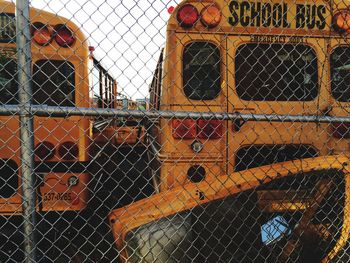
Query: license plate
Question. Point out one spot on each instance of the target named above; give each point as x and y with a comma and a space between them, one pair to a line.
49, 197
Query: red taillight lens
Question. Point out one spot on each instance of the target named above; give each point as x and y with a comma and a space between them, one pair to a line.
210, 129
75, 200
187, 16
341, 21
341, 130
45, 150
64, 36
41, 34
184, 129
68, 151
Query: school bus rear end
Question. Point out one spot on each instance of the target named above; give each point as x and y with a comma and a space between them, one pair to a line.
281, 58
250, 58
61, 144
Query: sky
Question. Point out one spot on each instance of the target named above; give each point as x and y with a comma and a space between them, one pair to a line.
127, 35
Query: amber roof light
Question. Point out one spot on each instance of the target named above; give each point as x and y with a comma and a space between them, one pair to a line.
211, 16
341, 21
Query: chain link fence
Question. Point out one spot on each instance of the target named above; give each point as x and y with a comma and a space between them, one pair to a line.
174, 131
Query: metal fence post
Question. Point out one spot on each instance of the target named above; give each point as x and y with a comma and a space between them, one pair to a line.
26, 127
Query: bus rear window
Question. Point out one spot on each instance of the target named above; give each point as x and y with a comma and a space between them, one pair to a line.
8, 81
54, 83
340, 74
276, 72
201, 71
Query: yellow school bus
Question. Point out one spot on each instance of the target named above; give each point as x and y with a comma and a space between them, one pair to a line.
60, 58
119, 131
251, 58
209, 221
60, 78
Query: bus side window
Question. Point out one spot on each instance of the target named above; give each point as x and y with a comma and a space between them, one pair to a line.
96, 86
155, 88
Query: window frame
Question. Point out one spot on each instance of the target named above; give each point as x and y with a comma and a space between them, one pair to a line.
218, 65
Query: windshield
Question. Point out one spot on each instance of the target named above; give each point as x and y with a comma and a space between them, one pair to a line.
249, 225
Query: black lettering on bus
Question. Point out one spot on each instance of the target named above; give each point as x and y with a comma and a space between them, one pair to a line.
310, 16
200, 194
285, 16
266, 15
321, 22
296, 40
277, 15
300, 17
255, 14
245, 7
233, 20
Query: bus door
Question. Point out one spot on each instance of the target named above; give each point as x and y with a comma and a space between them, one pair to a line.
271, 74
201, 88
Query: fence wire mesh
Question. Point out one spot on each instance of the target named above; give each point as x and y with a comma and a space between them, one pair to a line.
174, 131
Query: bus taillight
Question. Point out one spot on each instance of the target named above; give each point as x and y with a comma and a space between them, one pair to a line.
184, 129
44, 150
41, 34
203, 129
211, 16
187, 16
341, 130
64, 37
210, 129
341, 21
68, 151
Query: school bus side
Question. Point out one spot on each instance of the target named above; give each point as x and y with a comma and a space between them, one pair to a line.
103, 85
111, 131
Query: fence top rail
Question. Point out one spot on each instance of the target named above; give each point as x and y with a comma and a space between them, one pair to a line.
52, 111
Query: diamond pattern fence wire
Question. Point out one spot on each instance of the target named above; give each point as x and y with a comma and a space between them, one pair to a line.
174, 131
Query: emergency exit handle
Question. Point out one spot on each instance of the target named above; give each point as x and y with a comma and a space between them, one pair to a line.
237, 124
